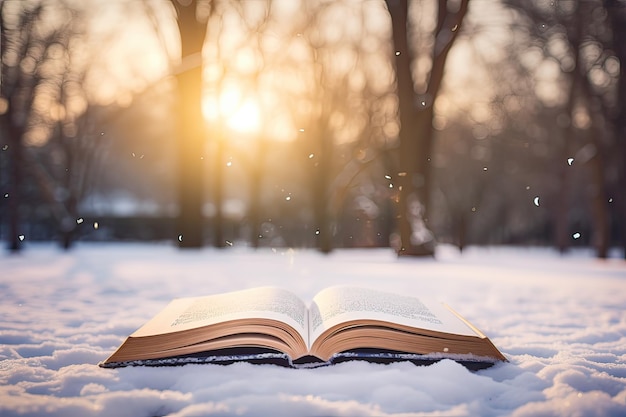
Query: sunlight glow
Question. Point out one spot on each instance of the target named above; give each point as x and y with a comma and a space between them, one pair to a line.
229, 101
246, 118
237, 111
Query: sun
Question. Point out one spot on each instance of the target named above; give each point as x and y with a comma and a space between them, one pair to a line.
237, 110
246, 118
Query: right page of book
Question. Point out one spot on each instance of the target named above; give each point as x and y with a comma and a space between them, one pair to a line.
340, 304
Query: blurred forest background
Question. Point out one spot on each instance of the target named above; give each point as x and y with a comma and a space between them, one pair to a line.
314, 123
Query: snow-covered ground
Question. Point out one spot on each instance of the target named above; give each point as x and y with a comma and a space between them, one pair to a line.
560, 320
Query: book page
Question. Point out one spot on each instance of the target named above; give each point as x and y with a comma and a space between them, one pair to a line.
266, 302
336, 305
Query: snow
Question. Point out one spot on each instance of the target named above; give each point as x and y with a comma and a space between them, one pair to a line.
561, 321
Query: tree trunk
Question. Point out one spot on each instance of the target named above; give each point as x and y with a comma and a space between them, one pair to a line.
411, 177
191, 130
321, 184
561, 212
218, 190
598, 189
617, 12
254, 213
599, 207
16, 179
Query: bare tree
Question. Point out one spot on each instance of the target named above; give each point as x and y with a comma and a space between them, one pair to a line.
18, 44
416, 114
579, 36
336, 131
41, 87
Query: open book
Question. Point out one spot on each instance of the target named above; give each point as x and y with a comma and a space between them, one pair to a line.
273, 325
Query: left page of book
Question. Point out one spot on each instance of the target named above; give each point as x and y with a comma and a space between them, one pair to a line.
256, 303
